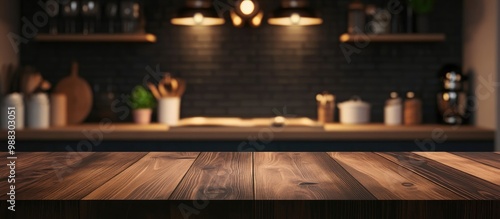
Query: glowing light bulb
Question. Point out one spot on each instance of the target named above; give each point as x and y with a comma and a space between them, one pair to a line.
247, 7
198, 18
446, 97
295, 18
237, 20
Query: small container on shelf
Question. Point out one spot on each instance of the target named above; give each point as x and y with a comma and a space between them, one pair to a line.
393, 110
356, 17
326, 107
58, 110
38, 111
354, 111
412, 109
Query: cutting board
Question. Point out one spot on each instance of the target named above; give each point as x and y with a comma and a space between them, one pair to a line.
78, 93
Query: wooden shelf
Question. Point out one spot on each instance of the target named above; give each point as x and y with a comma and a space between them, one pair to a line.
132, 38
330, 132
410, 37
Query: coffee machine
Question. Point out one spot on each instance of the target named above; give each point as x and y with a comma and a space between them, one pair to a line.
452, 100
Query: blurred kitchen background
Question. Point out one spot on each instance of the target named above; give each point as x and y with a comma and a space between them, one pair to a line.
246, 72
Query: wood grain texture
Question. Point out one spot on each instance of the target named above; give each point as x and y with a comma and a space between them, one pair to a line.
303, 176
487, 158
32, 166
73, 183
155, 176
387, 181
471, 167
454, 180
218, 176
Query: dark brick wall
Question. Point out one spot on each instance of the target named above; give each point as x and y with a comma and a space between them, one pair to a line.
249, 71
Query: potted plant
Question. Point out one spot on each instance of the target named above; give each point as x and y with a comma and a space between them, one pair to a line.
422, 10
142, 102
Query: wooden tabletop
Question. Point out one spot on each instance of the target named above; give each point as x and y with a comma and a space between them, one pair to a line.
255, 176
328, 132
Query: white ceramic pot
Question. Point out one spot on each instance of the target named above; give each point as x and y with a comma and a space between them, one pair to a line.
142, 116
354, 111
169, 110
38, 111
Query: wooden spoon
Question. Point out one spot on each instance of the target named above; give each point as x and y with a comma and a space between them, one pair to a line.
43, 86
182, 87
34, 81
174, 85
154, 90
161, 89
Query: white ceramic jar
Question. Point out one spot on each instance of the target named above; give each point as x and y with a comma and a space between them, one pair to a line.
169, 110
38, 112
13, 100
354, 111
393, 110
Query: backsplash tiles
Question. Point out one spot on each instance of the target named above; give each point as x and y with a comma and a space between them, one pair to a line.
248, 72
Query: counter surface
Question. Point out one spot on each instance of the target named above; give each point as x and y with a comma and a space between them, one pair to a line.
255, 176
328, 132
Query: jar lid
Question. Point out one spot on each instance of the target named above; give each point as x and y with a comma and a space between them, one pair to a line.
39, 97
355, 101
13, 98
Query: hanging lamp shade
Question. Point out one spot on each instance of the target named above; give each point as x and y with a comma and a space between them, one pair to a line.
294, 12
197, 12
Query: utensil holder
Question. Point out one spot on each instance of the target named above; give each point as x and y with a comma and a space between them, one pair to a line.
169, 110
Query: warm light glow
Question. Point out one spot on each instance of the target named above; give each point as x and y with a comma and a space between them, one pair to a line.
247, 7
192, 21
150, 38
257, 20
295, 18
237, 21
198, 18
344, 37
446, 97
302, 21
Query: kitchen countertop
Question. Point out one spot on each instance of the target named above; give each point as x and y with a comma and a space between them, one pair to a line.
255, 176
328, 132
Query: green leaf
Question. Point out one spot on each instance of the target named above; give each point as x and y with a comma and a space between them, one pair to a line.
141, 98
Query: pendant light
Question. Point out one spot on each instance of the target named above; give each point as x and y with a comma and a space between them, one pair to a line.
246, 11
197, 12
294, 12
